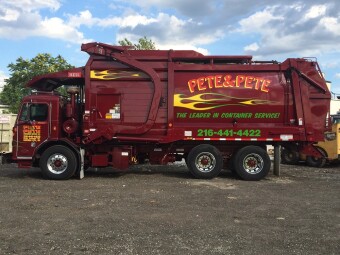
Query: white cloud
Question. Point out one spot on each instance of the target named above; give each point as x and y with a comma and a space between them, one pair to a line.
167, 31
129, 21
252, 47
337, 75
280, 30
31, 5
330, 61
9, 15
184, 46
171, 32
84, 18
57, 28
22, 19
315, 11
259, 20
331, 24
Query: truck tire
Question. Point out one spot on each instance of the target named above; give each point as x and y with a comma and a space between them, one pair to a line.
205, 161
252, 163
58, 163
289, 156
317, 162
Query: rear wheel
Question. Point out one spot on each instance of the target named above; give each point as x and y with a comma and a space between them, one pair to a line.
58, 163
289, 156
252, 163
205, 161
317, 162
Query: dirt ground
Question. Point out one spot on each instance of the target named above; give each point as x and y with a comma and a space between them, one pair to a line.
163, 210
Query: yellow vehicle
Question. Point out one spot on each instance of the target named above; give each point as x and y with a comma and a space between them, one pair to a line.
330, 148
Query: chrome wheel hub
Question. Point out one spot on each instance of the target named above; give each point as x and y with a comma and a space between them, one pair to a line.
253, 163
205, 162
57, 163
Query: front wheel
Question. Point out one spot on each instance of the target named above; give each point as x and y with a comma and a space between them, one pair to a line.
252, 163
58, 163
205, 161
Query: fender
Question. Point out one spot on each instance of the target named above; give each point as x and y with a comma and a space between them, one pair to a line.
75, 148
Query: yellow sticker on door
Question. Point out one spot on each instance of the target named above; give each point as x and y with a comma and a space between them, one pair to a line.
31, 133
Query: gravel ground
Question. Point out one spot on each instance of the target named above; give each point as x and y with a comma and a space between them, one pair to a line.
163, 210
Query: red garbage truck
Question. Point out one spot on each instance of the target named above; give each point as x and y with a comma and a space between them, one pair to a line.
133, 106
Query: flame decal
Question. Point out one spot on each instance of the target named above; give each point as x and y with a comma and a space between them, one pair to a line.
113, 75
208, 101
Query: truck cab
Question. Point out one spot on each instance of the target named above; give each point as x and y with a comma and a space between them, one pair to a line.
47, 127
36, 123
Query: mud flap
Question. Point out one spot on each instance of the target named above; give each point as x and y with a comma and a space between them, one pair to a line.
81, 173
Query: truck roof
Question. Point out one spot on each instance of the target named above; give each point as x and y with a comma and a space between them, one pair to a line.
51, 81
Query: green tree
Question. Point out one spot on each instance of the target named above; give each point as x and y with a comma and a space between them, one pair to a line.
24, 70
143, 44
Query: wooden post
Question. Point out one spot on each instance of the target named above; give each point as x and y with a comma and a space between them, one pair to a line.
277, 159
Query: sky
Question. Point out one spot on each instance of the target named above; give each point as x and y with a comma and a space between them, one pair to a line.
265, 29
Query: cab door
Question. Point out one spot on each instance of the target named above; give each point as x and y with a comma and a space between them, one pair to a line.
33, 128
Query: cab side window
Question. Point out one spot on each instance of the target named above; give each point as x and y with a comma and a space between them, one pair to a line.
34, 112
38, 112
